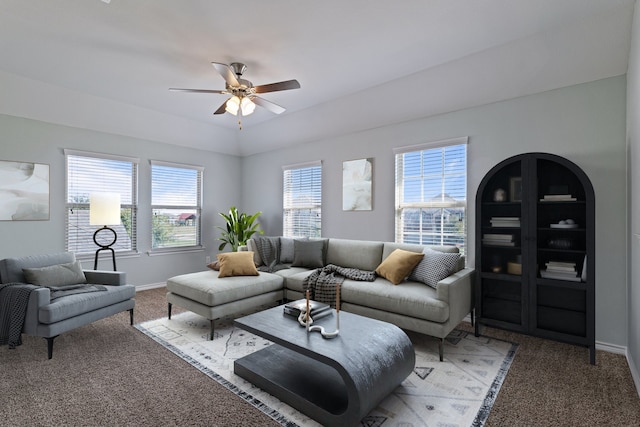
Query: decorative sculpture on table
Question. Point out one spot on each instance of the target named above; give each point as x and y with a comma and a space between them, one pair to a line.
306, 320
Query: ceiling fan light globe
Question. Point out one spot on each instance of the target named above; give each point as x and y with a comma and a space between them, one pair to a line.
247, 106
232, 105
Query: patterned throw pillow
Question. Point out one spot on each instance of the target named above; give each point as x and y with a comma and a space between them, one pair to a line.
434, 267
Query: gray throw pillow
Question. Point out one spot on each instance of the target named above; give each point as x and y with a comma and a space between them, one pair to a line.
287, 249
435, 266
56, 275
308, 253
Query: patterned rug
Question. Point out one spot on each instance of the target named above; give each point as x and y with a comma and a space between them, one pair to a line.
457, 392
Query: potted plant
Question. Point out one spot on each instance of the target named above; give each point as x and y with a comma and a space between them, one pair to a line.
240, 227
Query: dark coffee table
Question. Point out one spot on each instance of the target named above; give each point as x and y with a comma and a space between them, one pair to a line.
335, 381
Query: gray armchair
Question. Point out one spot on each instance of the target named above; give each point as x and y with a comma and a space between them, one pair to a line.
48, 319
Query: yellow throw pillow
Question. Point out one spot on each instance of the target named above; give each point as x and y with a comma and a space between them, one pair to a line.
397, 266
237, 264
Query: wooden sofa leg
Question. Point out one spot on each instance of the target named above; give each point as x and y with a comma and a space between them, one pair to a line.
131, 317
169, 310
211, 335
50, 346
441, 349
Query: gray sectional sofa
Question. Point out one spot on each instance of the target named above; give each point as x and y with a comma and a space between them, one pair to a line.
411, 304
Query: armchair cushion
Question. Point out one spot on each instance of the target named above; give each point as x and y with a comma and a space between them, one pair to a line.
55, 275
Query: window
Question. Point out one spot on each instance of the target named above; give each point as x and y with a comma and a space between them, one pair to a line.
431, 193
176, 204
302, 200
96, 173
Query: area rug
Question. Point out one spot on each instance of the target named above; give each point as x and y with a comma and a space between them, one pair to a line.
457, 392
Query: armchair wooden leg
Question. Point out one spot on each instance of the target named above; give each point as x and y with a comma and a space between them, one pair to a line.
50, 346
131, 317
441, 349
169, 309
211, 335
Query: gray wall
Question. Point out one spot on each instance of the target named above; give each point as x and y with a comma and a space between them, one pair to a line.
633, 140
584, 123
39, 142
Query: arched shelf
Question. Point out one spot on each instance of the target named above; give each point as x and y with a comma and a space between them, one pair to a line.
535, 249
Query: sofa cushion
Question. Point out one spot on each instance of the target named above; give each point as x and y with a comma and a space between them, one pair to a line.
75, 305
206, 288
237, 264
410, 298
308, 253
55, 275
397, 266
434, 267
361, 254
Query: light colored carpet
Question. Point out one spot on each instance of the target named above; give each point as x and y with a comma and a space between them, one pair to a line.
457, 392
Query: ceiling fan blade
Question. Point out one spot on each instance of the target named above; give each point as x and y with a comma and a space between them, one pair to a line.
221, 109
175, 89
274, 108
227, 74
275, 87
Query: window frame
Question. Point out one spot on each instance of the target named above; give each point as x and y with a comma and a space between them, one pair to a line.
133, 206
288, 206
198, 208
400, 205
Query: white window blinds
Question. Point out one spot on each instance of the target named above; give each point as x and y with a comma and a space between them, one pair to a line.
96, 173
302, 200
176, 204
431, 193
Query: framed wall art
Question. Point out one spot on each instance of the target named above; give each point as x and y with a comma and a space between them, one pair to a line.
357, 185
24, 191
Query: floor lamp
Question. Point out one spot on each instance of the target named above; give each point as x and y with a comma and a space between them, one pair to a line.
104, 209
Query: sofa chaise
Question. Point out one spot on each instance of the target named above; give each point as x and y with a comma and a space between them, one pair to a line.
411, 304
46, 317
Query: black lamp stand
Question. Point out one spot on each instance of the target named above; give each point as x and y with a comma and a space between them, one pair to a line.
104, 247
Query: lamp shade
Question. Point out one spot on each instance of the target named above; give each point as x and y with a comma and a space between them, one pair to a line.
104, 209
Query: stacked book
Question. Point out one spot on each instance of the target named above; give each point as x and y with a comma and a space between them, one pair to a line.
560, 271
558, 198
317, 309
498, 239
505, 221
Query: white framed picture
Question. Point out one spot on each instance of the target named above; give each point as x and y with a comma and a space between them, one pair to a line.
24, 191
357, 185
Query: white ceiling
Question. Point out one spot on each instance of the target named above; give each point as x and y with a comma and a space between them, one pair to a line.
361, 63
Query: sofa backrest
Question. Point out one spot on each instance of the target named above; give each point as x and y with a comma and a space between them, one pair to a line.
361, 254
11, 268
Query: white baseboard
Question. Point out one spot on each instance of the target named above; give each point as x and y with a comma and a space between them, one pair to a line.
611, 348
150, 286
634, 373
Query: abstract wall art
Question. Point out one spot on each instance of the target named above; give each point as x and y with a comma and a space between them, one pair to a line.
357, 181
24, 191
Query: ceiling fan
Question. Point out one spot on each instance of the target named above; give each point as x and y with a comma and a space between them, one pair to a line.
244, 95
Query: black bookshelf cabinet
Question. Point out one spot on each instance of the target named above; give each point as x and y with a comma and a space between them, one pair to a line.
535, 250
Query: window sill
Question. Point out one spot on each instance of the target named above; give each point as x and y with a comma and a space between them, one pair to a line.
174, 251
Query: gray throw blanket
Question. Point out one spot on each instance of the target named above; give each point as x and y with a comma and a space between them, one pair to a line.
14, 298
322, 283
63, 291
269, 250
